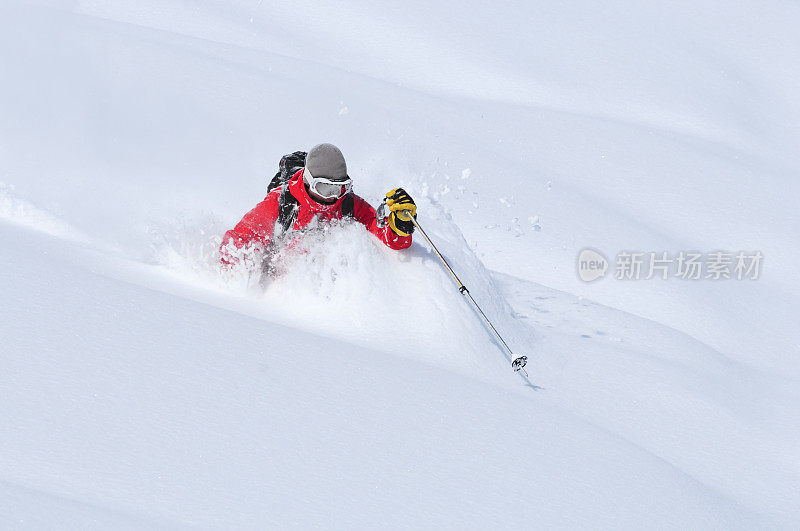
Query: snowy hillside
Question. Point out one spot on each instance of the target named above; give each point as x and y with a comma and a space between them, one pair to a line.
143, 388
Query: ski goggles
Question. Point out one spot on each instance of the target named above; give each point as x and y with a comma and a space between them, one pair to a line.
328, 188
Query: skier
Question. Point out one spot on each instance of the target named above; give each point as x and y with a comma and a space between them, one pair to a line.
322, 191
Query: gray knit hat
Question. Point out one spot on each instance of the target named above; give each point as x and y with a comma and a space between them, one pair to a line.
326, 160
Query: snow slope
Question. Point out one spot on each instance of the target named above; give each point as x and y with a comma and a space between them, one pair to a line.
141, 388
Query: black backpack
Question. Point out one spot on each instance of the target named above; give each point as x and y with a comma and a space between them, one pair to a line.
287, 167
287, 203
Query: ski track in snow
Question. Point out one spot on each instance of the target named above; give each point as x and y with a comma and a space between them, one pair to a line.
21, 212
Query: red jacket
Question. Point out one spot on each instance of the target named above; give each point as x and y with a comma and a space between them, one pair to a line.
257, 226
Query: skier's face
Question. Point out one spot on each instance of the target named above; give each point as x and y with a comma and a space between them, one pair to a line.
318, 198
326, 189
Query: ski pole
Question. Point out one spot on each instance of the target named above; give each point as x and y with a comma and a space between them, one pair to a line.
519, 362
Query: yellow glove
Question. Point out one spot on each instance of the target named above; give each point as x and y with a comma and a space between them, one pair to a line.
402, 207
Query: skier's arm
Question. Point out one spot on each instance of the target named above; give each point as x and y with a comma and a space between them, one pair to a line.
365, 214
255, 228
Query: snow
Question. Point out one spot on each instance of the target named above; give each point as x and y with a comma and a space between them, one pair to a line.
143, 388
